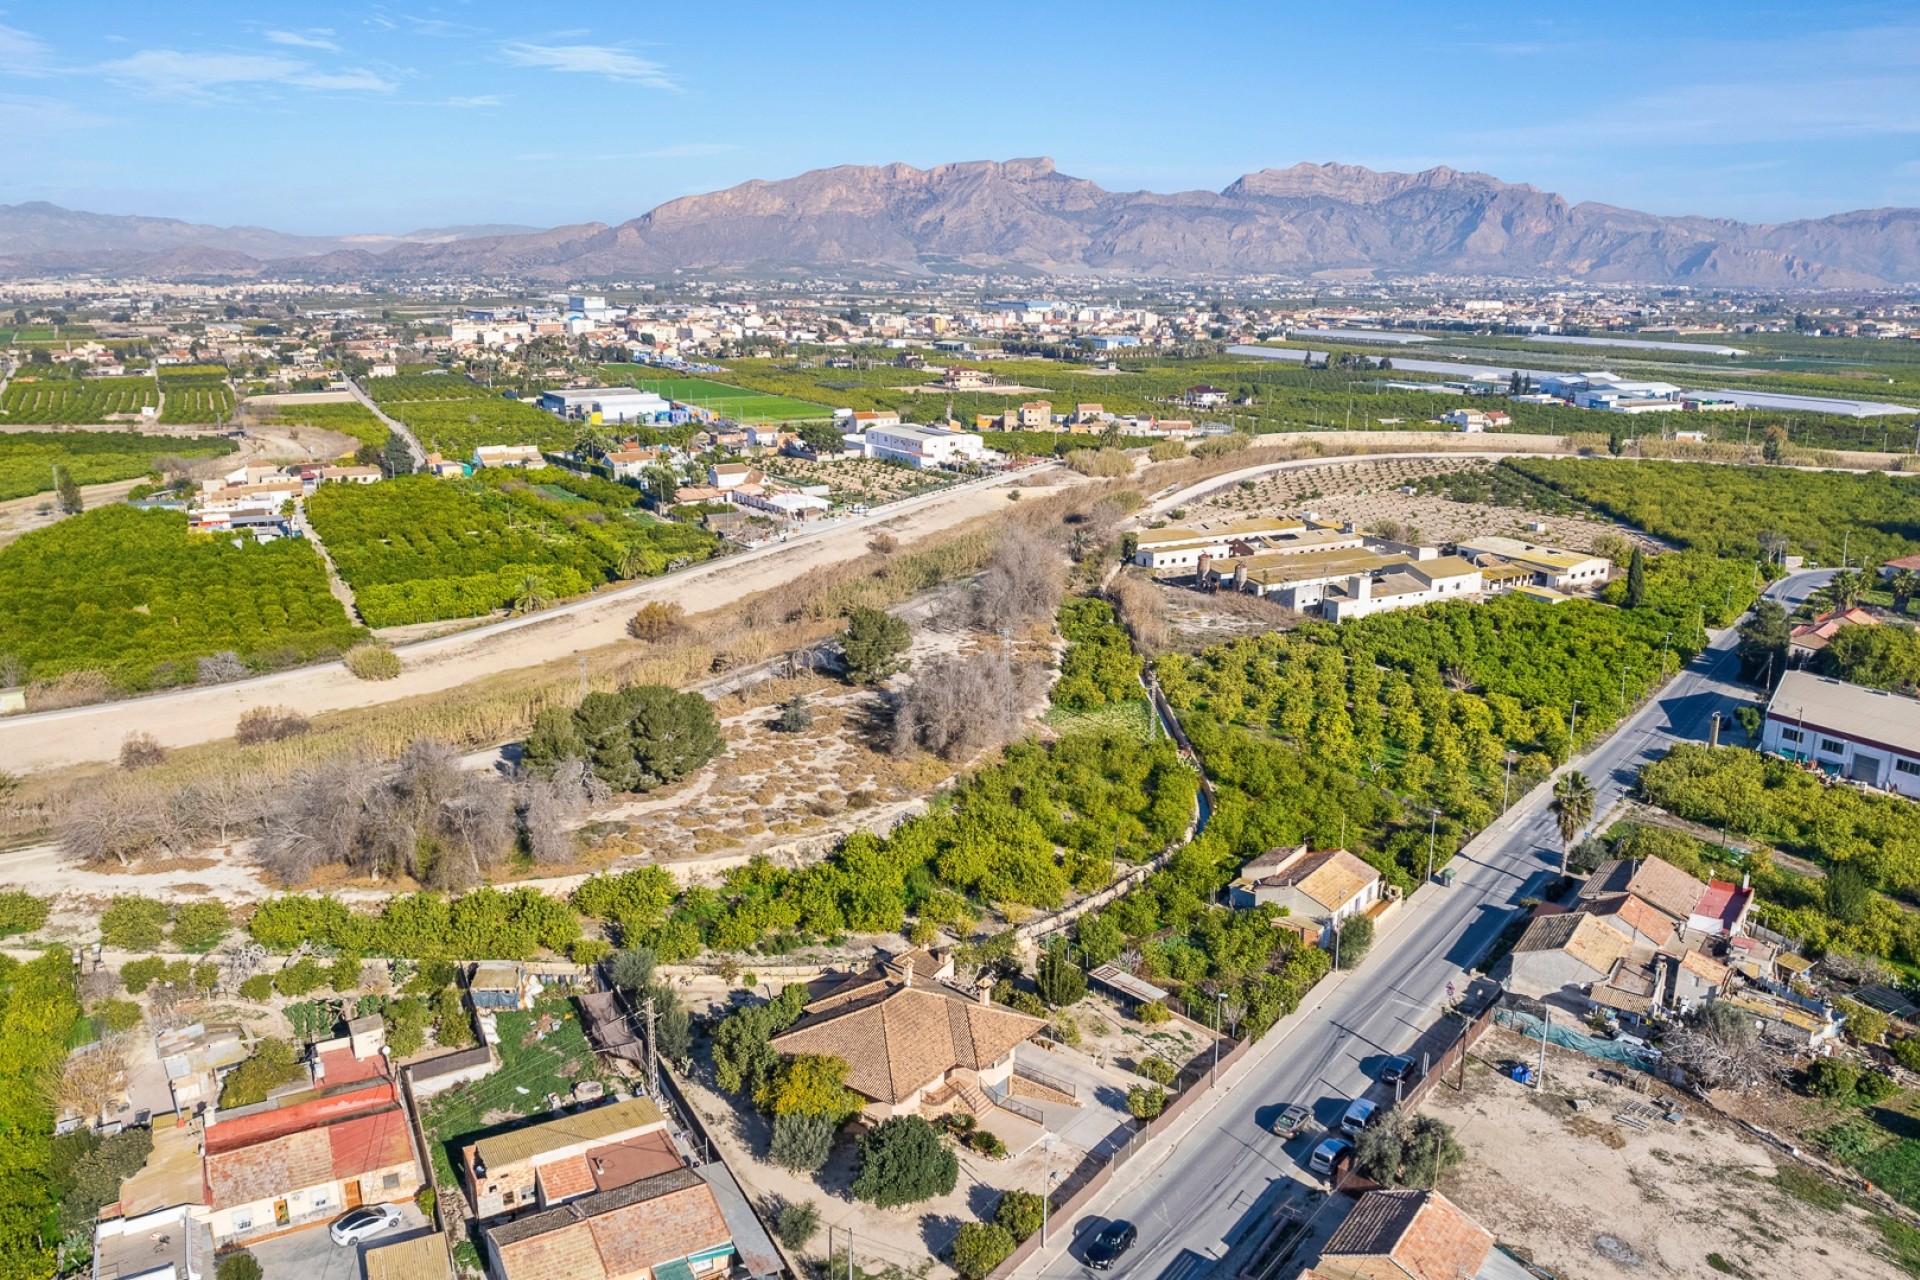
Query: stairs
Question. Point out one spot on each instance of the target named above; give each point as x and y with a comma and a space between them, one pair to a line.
972, 1098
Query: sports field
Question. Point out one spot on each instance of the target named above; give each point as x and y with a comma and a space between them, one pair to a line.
729, 402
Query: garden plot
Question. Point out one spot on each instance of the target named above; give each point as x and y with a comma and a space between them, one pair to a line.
1586, 1196
1371, 492
867, 480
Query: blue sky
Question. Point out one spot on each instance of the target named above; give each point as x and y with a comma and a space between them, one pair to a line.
388, 117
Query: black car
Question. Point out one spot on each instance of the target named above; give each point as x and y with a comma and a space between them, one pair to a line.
1397, 1069
1114, 1239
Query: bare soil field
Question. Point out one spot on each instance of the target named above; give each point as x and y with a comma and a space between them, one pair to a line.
1588, 1196
867, 480
1369, 491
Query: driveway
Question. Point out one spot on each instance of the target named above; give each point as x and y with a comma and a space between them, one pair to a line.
311, 1254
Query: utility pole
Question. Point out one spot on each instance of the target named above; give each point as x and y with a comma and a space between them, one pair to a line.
1219, 1018
1433, 821
1046, 1186
1506, 782
653, 1055
1573, 714
1545, 1028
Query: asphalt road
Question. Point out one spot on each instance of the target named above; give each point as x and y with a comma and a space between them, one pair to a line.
1217, 1179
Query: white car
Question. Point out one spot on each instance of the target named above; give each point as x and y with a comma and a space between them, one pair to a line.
366, 1222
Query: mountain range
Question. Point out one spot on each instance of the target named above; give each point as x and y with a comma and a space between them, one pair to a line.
1327, 221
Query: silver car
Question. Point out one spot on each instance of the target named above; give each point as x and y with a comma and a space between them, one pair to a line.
365, 1223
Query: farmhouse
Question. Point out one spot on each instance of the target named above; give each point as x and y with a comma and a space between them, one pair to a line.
925, 447
546, 1164
1411, 1235
525, 456
667, 1227
1327, 885
1550, 567
911, 1041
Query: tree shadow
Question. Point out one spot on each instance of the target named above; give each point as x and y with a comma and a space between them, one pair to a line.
937, 1231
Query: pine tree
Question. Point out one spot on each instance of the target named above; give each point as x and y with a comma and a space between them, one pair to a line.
67, 491
1637, 579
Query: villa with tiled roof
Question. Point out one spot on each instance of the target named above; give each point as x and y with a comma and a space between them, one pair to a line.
1324, 885
908, 1038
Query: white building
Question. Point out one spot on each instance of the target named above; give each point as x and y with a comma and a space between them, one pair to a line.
607, 404
1868, 735
525, 456
925, 447
1551, 567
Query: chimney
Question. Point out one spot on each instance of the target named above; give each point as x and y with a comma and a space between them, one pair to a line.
906, 971
983, 988
1200, 569
1360, 586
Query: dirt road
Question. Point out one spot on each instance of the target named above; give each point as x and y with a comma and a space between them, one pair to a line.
58, 738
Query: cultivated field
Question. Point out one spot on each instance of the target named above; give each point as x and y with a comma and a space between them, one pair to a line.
27, 458
75, 401
867, 480
738, 403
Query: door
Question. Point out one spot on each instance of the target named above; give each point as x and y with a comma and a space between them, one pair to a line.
353, 1194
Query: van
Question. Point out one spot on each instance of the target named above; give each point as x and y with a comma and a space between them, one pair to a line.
1359, 1115
1324, 1155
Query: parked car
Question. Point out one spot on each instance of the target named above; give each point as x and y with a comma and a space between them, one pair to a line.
1327, 1153
365, 1223
1397, 1069
1359, 1115
1292, 1121
1113, 1240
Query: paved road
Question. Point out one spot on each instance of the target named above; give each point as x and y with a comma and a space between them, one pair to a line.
1203, 1192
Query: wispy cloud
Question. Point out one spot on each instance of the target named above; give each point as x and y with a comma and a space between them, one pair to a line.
609, 61
22, 54
31, 111
674, 151
171, 73
478, 100
317, 38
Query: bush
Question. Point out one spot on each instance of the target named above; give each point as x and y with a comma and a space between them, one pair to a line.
795, 715
797, 1223
452, 1029
1356, 939
141, 751
1103, 463
134, 924
1059, 976
1833, 1078
426, 1201
138, 975
238, 1266
874, 644
1006, 993
199, 926
1906, 1052
635, 740
1020, 1212
1864, 1025
344, 973
301, 978
979, 1247
258, 987
987, 1144
373, 662
1145, 1101
1157, 1069
903, 1161
655, 621
1875, 1086
1152, 1013
20, 911
802, 1142
117, 1015
269, 724
273, 1063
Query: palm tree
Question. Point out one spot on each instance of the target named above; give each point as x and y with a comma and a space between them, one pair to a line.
1905, 585
1572, 809
633, 561
532, 596
1843, 590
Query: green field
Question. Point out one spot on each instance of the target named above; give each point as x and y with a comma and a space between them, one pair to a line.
418, 549
75, 401
737, 403
137, 596
195, 394
451, 414
27, 458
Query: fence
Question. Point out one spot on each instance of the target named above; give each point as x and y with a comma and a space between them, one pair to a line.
1452, 1057
1046, 1080
1003, 1098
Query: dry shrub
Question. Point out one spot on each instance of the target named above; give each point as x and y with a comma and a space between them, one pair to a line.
140, 751
74, 689
1022, 583
269, 724
655, 621
883, 544
1142, 611
975, 704
1107, 463
1221, 446
1167, 451
373, 662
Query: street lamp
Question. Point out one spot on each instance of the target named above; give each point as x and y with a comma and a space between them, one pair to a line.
1506, 782
1046, 1186
1433, 822
1573, 714
1219, 1019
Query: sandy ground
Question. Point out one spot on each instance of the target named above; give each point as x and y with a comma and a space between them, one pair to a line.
1590, 1197
1366, 492
83, 734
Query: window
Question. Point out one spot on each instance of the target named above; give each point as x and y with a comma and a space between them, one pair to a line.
1906, 766
1833, 746
391, 1181
243, 1220
1792, 735
320, 1198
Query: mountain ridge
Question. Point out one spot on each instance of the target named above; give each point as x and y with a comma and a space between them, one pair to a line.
1308, 219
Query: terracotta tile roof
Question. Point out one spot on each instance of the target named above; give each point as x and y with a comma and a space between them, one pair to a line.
568, 1252
1422, 1231
613, 1234
897, 1038
1331, 877
564, 1179
1657, 881
378, 1141
1586, 939
1633, 914
268, 1170
1705, 967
